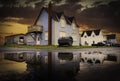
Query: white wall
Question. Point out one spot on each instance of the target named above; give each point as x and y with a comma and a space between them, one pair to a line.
90, 39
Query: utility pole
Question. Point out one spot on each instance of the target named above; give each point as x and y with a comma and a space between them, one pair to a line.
50, 24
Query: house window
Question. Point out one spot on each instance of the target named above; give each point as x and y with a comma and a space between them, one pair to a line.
85, 36
86, 44
21, 39
93, 36
74, 37
62, 34
62, 22
46, 35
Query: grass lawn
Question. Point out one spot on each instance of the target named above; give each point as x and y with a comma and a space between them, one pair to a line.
49, 47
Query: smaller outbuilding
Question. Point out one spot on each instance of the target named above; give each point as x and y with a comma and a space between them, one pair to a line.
111, 39
15, 39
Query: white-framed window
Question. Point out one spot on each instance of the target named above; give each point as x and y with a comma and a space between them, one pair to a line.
46, 35
74, 37
62, 22
62, 34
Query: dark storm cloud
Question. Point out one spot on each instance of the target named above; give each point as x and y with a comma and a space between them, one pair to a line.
72, 1
8, 3
28, 14
97, 3
57, 1
68, 9
102, 16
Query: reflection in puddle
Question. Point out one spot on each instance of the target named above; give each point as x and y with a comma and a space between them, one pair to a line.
46, 65
93, 58
43, 65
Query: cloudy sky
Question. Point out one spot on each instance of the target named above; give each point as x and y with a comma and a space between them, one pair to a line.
16, 15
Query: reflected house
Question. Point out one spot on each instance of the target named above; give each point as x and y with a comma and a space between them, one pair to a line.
65, 56
114, 58
18, 57
92, 37
93, 57
15, 39
33, 57
1, 57
47, 64
1, 40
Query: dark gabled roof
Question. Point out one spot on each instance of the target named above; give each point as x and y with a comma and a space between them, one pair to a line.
66, 18
97, 32
89, 32
112, 36
82, 33
40, 14
56, 16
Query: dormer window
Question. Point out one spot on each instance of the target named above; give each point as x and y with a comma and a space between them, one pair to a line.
85, 36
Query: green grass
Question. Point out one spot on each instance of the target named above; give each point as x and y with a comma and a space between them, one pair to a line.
48, 47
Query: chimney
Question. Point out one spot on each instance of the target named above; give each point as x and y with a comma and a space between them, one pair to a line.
50, 24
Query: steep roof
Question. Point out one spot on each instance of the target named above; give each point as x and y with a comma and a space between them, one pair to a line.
112, 36
89, 32
56, 16
40, 14
97, 32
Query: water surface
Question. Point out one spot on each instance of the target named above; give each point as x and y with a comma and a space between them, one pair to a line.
70, 65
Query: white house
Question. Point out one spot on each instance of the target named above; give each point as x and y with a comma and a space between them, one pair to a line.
92, 37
